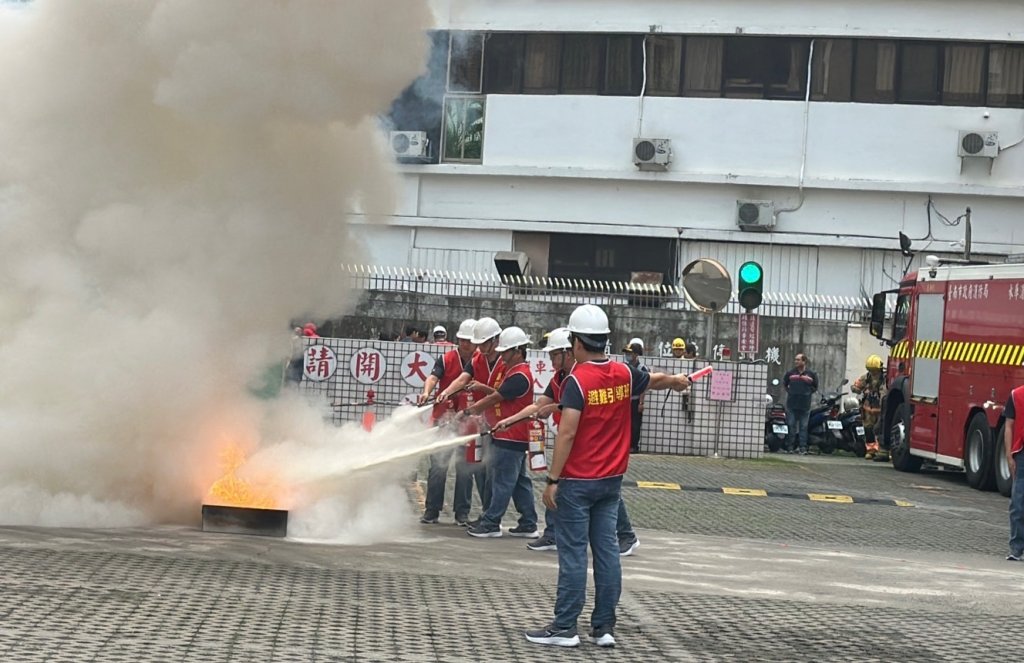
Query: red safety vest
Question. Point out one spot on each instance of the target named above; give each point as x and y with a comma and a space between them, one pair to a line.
601, 447
483, 373
1018, 423
519, 432
452, 369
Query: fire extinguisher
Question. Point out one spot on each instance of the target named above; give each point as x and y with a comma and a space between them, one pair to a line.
538, 461
474, 448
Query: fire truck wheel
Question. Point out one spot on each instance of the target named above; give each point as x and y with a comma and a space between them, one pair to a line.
978, 450
899, 441
1004, 483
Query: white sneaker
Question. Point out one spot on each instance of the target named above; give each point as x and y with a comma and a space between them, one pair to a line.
602, 637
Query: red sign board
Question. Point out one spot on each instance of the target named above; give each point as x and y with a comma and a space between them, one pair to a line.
750, 333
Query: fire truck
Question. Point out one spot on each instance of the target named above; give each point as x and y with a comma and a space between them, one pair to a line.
956, 350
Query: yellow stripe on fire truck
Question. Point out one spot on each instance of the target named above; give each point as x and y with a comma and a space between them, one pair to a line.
997, 354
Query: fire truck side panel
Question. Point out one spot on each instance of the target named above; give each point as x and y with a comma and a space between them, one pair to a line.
980, 354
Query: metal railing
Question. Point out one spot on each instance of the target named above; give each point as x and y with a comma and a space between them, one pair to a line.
603, 293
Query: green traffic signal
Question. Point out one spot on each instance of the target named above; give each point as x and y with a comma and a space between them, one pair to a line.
751, 285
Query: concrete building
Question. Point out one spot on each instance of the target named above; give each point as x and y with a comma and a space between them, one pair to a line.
605, 138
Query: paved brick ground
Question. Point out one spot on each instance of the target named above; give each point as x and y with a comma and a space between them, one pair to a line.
844, 582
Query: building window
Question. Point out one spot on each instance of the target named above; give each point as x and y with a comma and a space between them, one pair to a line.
622, 66
581, 64
702, 71
765, 67
1006, 76
542, 63
963, 75
610, 258
832, 70
919, 73
463, 134
664, 65
465, 63
874, 71
503, 63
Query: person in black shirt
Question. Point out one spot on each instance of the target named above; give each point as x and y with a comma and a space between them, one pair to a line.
800, 383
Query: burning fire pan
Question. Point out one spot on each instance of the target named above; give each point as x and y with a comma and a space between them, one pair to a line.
244, 520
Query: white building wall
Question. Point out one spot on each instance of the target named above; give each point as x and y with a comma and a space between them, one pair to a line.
562, 163
994, 20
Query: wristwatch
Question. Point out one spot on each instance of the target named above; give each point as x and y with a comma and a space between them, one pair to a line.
552, 482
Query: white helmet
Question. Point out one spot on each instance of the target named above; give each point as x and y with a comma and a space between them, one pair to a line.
466, 329
636, 341
512, 337
440, 330
588, 319
484, 330
558, 339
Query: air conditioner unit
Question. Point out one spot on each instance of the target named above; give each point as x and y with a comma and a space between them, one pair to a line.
978, 144
755, 214
410, 144
652, 153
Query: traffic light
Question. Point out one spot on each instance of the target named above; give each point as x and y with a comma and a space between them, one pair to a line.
751, 285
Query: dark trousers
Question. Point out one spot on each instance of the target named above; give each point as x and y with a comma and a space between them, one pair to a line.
635, 421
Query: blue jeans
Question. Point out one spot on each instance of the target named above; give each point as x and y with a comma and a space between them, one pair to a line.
465, 473
587, 513
623, 526
797, 422
508, 478
1017, 509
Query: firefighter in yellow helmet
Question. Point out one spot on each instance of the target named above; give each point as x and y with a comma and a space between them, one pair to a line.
871, 387
678, 348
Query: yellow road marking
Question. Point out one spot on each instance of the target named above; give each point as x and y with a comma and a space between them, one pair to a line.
822, 497
752, 492
658, 484
902, 503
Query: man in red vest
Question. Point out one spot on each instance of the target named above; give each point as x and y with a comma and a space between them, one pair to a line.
1013, 444
511, 393
447, 369
585, 479
559, 347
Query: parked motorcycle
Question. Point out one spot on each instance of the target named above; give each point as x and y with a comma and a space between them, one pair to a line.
825, 427
854, 437
776, 430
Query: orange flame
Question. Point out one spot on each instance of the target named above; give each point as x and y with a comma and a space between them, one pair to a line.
231, 490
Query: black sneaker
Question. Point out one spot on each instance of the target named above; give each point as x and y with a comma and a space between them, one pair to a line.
429, 518
543, 543
524, 532
484, 531
462, 521
1014, 558
628, 546
602, 636
549, 635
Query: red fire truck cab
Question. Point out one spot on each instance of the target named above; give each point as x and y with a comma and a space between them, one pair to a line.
957, 349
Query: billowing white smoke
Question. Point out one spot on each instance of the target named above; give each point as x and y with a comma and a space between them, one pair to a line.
174, 182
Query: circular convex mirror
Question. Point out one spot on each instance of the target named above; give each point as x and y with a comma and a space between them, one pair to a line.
707, 285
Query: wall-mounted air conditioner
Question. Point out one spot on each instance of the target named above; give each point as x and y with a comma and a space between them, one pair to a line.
410, 144
652, 153
978, 144
755, 214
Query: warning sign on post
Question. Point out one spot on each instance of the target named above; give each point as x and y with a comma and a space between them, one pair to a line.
721, 386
